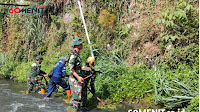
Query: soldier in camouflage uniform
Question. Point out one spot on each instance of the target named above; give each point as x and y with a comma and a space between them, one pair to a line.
32, 78
75, 79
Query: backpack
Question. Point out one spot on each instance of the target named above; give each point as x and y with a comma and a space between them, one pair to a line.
51, 72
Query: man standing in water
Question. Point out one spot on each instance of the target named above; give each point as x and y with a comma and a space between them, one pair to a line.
87, 71
59, 73
75, 79
32, 76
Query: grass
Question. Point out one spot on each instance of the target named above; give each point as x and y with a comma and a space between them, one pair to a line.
173, 92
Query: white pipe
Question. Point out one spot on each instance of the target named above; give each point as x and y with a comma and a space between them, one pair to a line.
85, 27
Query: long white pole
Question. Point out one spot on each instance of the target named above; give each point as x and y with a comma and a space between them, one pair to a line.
85, 27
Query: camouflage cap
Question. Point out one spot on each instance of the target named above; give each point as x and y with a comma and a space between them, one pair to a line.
77, 41
39, 58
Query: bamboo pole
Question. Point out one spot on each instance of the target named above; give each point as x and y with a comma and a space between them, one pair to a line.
79, 4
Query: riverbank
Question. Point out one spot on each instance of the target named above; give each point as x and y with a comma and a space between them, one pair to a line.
137, 85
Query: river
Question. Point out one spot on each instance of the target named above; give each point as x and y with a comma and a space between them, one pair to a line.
14, 99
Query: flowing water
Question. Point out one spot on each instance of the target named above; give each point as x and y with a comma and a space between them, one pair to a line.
14, 99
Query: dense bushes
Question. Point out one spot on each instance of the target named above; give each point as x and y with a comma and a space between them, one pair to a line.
120, 82
180, 31
180, 38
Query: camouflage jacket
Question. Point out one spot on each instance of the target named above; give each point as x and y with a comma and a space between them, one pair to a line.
75, 63
35, 70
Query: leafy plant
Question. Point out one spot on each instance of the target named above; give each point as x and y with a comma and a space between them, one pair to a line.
173, 92
180, 31
106, 19
119, 81
20, 72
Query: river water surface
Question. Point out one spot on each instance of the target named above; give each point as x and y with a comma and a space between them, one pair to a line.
14, 99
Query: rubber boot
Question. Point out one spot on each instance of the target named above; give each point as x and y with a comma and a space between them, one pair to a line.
46, 98
27, 92
43, 91
68, 94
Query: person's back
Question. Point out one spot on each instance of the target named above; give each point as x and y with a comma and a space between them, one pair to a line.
59, 72
34, 70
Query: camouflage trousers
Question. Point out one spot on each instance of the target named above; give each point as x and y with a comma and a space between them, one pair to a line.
76, 88
34, 81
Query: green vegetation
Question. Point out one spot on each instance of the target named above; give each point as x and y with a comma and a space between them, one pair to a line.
174, 89
125, 36
194, 105
181, 31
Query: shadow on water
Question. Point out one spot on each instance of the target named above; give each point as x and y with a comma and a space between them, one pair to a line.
14, 99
